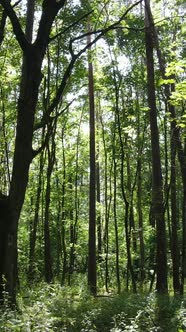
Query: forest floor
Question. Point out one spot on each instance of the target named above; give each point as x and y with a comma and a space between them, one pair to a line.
52, 308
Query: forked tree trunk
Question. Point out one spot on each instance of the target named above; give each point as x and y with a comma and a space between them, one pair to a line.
23, 153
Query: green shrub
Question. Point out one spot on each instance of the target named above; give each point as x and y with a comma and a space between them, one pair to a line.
52, 308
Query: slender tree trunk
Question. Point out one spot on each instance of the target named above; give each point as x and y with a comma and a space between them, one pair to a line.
132, 233
139, 198
174, 237
76, 205
98, 193
58, 233
48, 258
72, 234
92, 191
157, 186
63, 216
116, 222
126, 203
182, 160
175, 139
107, 199
34, 224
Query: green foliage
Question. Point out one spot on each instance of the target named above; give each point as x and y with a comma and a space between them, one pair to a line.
71, 309
119, 73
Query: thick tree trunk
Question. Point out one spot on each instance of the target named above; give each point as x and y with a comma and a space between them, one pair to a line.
22, 159
4, 231
23, 153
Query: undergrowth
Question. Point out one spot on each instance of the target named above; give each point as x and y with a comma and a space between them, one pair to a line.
65, 309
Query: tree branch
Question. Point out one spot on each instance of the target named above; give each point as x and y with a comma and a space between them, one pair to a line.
20, 36
102, 32
74, 57
2, 26
70, 26
48, 119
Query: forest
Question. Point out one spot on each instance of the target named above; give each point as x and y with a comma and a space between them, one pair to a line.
92, 165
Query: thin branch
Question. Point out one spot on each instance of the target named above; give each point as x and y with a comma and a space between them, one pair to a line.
43, 145
50, 125
168, 18
102, 32
70, 26
116, 26
16, 3
62, 86
70, 66
20, 36
48, 119
62, 111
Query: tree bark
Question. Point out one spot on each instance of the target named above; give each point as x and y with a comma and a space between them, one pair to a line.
92, 191
34, 223
116, 222
157, 185
175, 142
23, 153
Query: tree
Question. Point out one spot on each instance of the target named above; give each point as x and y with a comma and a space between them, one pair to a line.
92, 276
157, 184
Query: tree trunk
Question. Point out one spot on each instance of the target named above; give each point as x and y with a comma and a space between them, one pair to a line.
139, 197
116, 223
123, 191
23, 153
92, 191
107, 201
175, 142
47, 245
63, 217
34, 223
157, 186
98, 193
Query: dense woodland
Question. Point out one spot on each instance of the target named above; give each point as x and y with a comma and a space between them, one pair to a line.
93, 163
